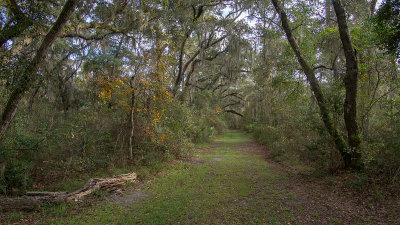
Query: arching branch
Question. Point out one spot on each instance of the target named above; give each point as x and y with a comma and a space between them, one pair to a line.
234, 112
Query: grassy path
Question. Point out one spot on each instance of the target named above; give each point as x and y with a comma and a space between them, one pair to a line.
227, 182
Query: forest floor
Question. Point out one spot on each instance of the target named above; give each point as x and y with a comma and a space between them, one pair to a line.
230, 181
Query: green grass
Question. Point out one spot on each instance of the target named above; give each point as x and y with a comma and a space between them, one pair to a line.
231, 186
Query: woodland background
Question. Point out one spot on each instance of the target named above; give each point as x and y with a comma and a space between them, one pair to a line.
99, 87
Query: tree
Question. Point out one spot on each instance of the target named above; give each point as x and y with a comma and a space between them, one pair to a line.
387, 26
29, 75
350, 83
351, 157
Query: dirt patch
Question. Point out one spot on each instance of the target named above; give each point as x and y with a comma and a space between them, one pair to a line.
205, 151
216, 144
242, 202
252, 147
193, 160
292, 202
129, 198
210, 149
218, 159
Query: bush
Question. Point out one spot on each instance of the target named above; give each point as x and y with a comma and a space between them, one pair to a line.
15, 177
381, 153
46, 145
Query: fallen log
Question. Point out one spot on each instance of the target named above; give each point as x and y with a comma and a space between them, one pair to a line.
113, 184
43, 193
110, 185
28, 203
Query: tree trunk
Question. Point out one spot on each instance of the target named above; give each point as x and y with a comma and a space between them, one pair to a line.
351, 83
324, 111
29, 75
179, 77
132, 117
372, 7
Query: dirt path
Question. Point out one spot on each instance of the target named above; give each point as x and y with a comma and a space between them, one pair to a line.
231, 182
327, 200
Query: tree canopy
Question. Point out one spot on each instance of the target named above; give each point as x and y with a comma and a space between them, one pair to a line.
100, 84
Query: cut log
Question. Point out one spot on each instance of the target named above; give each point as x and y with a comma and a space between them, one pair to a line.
114, 184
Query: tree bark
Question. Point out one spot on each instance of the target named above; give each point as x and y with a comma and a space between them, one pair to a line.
351, 85
29, 75
324, 111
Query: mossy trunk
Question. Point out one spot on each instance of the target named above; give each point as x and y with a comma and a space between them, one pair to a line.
29, 76
351, 85
315, 88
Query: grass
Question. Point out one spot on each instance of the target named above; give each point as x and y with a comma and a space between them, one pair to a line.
231, 186
227, 182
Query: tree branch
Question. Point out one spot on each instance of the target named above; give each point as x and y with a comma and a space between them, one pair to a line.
23, 22
234, 112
